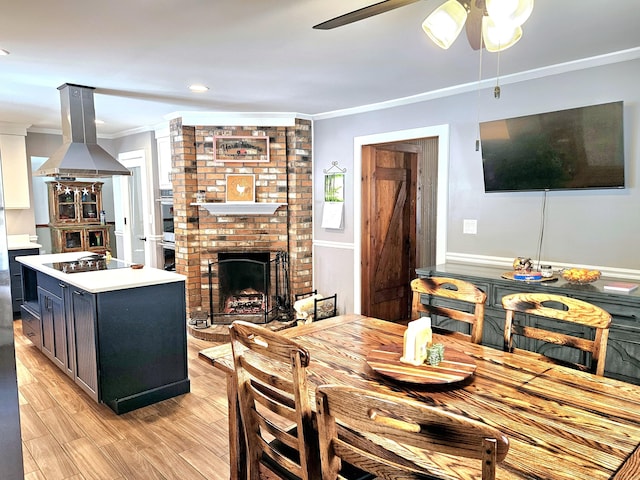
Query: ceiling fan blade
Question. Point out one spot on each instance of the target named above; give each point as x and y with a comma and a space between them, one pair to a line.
473, 27
362, 13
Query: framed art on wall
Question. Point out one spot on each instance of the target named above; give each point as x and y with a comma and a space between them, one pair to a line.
241, 188
334, 187
227, 148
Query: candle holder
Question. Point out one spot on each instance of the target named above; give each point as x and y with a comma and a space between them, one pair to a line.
435, 354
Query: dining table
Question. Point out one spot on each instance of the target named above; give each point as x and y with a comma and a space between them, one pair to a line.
561, 423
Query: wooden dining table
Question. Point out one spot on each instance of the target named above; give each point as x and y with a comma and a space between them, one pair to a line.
561, 423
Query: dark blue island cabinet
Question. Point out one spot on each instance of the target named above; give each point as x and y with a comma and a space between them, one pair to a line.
126, 348
623, 349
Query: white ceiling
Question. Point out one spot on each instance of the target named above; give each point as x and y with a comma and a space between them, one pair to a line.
263, 55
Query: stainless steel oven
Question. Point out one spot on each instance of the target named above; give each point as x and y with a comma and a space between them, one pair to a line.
168, 236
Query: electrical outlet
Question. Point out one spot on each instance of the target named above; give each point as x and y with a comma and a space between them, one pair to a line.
469, 226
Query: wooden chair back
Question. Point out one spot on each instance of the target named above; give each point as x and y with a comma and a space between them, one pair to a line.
393, 437
271, 375
560, 308
454, 289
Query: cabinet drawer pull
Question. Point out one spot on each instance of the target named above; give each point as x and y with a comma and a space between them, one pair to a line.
78, 292
62, 285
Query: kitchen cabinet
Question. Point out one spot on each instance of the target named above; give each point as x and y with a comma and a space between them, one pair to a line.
31, 326
53, 307
74, 202
74, 217
125, 347
15, 176
16, 276
82, 341
54, 329
80, 239
623, 348
68, 331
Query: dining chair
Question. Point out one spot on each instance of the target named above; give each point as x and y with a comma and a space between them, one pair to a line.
564, 309
452, 289
275, 406
393, 437
271, 375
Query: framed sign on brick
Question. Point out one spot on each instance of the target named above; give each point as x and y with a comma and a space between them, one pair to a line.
227, 148
241, 188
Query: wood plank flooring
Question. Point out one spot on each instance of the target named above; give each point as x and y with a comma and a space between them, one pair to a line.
67, 436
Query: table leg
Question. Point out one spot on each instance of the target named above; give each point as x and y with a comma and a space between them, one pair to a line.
237, 447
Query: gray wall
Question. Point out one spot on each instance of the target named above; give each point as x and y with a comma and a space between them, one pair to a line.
598, 228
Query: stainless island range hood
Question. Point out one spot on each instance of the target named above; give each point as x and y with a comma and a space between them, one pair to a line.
80, 155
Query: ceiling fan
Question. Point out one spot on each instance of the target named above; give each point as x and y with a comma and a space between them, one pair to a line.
475, 12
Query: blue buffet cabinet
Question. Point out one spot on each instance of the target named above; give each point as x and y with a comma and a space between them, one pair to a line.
623, 348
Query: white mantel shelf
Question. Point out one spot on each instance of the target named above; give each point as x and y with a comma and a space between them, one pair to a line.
254, 208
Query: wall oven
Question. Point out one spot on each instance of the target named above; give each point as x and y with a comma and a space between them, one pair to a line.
168, 237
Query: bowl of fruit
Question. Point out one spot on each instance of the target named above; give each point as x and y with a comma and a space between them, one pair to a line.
580, 276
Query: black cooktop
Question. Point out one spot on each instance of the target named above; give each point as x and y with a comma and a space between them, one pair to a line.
90, 263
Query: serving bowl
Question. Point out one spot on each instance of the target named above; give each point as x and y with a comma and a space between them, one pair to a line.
580, 276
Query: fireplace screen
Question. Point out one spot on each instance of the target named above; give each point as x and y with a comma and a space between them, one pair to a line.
251, 286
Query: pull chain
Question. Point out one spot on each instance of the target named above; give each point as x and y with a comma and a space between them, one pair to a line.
478, 90
496, 90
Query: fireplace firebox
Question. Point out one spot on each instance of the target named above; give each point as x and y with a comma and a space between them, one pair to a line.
251, 286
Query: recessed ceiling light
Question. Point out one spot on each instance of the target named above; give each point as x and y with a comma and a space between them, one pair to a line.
198, 88
3, 51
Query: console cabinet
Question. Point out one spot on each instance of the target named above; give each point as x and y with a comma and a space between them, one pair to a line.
623, 349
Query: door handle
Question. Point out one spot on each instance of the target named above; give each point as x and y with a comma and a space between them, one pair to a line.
144, 239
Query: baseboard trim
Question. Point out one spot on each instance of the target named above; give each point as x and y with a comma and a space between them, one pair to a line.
149, 397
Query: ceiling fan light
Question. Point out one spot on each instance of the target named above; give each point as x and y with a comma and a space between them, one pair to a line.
515, 12
445, 23
498, 37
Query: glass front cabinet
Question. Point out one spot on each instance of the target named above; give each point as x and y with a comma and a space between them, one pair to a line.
74, 217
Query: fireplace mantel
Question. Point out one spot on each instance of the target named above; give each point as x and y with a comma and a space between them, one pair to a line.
254, 208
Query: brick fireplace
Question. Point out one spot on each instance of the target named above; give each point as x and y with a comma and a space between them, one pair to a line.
203, 238
251, 286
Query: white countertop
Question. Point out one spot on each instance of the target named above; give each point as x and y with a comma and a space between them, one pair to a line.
102, 280
20, 242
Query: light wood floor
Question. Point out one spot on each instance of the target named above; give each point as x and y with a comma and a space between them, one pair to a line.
66, 435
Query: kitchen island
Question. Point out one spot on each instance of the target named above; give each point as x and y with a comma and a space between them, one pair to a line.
119, 333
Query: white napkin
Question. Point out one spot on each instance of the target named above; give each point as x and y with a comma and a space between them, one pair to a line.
417, 338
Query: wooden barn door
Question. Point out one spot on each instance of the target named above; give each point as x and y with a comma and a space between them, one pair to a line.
389, 196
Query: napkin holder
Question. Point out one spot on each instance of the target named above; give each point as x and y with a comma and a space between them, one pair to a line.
417, 338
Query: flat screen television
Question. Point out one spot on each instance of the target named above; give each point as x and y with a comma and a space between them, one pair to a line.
579, 148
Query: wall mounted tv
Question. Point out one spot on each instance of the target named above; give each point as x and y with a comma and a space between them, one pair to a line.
579, 148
